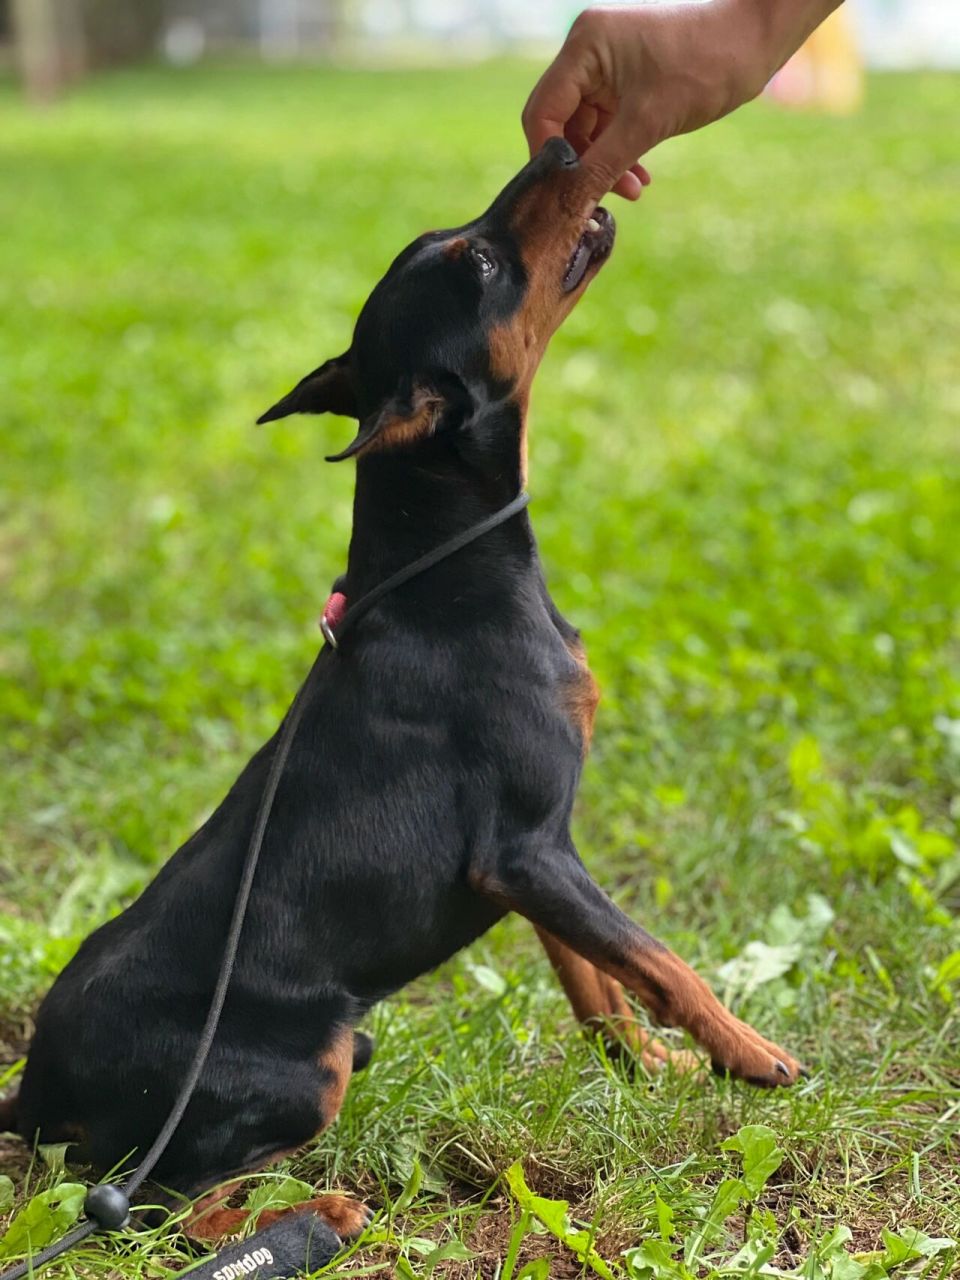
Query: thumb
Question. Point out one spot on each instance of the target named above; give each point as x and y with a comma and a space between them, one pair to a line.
555, 98
626, 137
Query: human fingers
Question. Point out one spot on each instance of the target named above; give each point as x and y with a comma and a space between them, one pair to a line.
611, 159
555, 99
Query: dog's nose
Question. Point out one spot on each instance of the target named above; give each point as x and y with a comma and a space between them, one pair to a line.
555, 154
559, 153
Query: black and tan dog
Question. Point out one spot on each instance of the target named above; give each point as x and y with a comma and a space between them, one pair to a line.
430, 784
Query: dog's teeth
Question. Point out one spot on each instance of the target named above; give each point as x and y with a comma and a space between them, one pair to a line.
593, 224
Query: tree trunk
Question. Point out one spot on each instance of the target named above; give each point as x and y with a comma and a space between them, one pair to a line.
51, 48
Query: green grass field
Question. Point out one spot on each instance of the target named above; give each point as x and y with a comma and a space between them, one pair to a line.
745, 460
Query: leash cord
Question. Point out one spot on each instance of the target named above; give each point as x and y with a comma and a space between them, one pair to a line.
365, 603
117, 1200
182, 1101
37, 1260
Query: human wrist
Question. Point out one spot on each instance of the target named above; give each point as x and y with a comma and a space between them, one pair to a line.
747, 42
777, 28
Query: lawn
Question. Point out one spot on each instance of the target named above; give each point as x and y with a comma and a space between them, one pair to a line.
745, 462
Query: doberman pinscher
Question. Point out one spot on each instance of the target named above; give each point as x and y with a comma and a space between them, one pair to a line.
429, 788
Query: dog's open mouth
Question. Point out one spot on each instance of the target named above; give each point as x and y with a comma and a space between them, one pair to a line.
593, 248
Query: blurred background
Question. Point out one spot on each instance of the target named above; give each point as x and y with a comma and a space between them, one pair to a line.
54, 41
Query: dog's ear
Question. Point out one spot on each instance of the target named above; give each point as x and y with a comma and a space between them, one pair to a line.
328, 389
417, 410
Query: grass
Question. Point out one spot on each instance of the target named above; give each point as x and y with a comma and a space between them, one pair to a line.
745, 462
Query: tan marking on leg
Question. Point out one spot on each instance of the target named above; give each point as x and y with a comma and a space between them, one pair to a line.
677, 996
210, 1219
599, 1002
336, 1064
670, 989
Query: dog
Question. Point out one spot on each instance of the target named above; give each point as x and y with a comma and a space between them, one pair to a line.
429, 788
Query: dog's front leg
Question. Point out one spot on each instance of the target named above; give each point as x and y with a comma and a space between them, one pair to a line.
546, 881
600, 1003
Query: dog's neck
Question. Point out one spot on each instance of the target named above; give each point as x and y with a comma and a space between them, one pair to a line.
406, 503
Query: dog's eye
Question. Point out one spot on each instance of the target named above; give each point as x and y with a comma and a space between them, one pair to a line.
486, 264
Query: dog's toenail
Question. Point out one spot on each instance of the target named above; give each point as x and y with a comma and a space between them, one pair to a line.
782, 1068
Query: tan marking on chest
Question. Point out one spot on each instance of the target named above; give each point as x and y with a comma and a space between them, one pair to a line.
580, 694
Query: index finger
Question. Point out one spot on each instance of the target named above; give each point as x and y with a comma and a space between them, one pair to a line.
555, 98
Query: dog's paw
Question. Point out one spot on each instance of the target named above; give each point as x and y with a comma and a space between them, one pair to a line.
657, 1057
744, 1054
634, 1042
348, 1218
209, 1222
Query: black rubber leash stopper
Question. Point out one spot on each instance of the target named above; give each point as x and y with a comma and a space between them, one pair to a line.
107, 1205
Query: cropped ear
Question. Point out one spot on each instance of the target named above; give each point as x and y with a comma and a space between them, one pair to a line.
328, 389
412, 414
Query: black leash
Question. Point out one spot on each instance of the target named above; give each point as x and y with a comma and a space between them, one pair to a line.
106, 1205
334, 635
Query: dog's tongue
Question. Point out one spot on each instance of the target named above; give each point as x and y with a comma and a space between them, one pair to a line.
577, 266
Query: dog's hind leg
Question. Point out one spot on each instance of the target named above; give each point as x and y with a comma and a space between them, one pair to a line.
600, 1003
211, 1218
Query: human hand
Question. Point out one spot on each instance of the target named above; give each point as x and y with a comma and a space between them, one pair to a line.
628, 78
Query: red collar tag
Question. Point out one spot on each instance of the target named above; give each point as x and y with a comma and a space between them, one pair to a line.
332, 615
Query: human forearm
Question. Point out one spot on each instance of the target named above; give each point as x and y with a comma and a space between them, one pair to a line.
782, 26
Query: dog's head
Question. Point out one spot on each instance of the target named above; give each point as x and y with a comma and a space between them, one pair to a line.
450, 338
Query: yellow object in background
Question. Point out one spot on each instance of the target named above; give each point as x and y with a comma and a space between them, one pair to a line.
826, 73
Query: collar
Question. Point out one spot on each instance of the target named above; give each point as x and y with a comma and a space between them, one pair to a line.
339, 615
